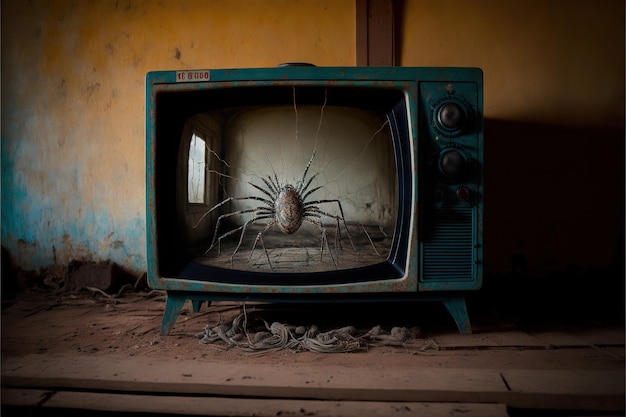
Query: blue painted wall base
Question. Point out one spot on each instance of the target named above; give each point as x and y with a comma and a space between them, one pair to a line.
176, 300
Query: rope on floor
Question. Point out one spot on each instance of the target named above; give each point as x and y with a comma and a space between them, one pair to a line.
252, 334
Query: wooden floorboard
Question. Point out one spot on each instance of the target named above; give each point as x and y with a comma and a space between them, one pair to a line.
578, 389
243, 407
540, 389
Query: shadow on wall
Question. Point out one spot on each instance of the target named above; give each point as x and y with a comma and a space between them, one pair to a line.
554, 196
554, 219
571, 296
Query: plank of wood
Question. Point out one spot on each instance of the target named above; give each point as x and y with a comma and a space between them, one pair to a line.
566, 389
559, 339
604, 335
375, 383
611, 336
512, 338
216, 406
24, 397
579, 389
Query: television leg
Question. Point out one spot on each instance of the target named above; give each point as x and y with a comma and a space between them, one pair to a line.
197, 305
458, 310
173, 305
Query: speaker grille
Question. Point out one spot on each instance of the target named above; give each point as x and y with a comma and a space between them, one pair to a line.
448, 245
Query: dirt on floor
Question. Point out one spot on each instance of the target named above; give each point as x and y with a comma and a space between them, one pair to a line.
91, 322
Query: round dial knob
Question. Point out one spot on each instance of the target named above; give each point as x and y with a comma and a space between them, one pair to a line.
452, 163
451, 116
463, 193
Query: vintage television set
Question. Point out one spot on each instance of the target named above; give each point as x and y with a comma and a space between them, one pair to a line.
315, 184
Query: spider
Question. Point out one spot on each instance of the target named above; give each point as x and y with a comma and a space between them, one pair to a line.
286, 206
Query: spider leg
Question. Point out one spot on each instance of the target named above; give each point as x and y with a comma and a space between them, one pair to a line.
316, 212
271, 185
259, 236
306, 170
243, 231
264, 211
308, 193
217, 227
311, 206
303, 190
228, 200
232, 232
258, 210
315, 219
264, 191
275, 182
211, 209
370, 239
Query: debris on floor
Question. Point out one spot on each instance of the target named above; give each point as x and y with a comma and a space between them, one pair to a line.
250, 333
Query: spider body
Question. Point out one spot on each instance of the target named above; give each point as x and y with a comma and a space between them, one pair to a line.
289, 209
286, 206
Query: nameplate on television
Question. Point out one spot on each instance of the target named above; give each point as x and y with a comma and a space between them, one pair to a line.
192, 76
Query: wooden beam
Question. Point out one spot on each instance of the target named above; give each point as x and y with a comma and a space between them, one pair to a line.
375, 34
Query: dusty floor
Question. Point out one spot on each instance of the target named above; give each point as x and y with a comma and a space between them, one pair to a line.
55, 343
89, 323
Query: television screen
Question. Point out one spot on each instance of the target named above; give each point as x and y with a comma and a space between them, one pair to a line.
277, 183
289, 189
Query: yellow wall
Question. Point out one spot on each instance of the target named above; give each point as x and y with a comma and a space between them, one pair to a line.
554, 128
73, 110
555, 61
73, 96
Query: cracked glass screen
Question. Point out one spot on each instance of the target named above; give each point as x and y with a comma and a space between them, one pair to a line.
300, 188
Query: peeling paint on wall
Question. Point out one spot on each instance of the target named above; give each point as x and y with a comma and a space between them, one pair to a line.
73, 93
